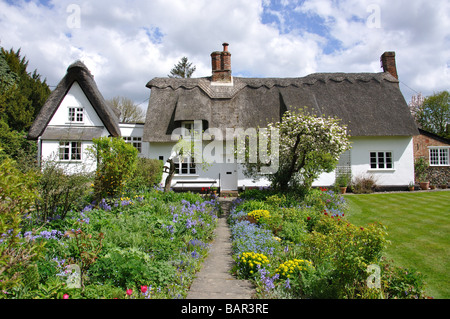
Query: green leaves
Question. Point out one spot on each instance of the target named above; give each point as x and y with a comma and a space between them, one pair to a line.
116, 162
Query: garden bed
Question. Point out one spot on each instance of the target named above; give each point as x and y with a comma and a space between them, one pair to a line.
306, 248
147, 245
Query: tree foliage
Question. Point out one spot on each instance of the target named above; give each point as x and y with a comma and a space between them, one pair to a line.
129, 111
433, 114
183, 69
22, 93
308, 146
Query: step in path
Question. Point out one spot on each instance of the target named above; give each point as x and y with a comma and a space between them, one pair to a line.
214, 280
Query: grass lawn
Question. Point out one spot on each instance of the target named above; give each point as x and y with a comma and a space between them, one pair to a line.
418, 224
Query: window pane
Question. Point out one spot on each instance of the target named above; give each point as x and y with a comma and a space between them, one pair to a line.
388, 160
71, 114
373, 160
444, 156
380, 160
434, 157
79, 115
64, 151
76, 151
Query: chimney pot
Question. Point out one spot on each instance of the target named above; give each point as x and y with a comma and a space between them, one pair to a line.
221, 65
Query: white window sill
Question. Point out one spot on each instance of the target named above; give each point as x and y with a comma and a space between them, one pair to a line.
380, 170
186, 175
70, 162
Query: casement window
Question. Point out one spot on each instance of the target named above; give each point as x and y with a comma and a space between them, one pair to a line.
135, 141
76, 114
185, 166
70, 151
381, 160
439, 156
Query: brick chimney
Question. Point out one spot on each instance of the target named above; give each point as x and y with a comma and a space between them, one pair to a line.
221, 65
388, 63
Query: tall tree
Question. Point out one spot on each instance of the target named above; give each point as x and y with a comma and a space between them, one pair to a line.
183, 69
129, 111
22, 93
434, 113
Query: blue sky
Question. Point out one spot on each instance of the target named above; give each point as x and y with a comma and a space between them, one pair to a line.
126, 43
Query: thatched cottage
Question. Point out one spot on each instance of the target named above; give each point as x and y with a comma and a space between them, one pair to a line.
370, 104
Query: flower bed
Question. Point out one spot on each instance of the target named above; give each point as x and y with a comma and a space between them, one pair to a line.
146, 245
310, 250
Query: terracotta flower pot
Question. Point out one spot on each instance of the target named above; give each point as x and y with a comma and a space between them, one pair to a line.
424, 185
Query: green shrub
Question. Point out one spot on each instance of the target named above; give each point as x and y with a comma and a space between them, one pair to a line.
60, 192
348, 248
116, 162
17, 196
147, 174
131, 268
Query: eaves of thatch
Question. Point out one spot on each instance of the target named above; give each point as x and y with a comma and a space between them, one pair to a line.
77, 72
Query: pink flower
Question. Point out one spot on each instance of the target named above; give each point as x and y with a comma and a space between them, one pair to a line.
65, 296
143, 289
129, 292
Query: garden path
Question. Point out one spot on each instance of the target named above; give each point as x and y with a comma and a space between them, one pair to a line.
214, 280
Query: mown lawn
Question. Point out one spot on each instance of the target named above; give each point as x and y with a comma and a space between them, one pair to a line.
418, 224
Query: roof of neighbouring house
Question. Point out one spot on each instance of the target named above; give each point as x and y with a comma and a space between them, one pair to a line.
76, 72
434, 136
370, 104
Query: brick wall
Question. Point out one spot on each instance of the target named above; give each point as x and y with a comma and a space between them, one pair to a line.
438, 175
421, 144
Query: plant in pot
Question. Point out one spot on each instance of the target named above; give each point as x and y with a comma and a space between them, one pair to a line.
342, 181
411, 186
420, 169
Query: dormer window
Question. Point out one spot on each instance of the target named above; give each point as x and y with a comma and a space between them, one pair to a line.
76, 114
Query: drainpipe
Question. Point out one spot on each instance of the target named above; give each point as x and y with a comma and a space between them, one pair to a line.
39, 151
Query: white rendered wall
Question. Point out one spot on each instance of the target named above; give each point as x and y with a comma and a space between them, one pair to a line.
75, 98
50, 152
402, 153
135, 130
401, 174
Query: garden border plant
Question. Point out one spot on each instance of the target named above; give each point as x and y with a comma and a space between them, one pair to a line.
310, 250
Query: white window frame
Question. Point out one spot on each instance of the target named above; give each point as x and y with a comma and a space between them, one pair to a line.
76, 114
442, 155
135, 141
381, 165
70, 151
185, 166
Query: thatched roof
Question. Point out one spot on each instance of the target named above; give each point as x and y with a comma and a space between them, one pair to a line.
77, 72
371, 104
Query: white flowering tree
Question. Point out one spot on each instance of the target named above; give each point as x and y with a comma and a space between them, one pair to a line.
308, 146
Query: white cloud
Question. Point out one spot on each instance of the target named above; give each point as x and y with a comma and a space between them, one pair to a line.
125, 44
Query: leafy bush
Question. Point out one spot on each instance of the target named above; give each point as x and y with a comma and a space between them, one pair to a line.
348, 248
116, 162
147, 174
17, 253
60, 192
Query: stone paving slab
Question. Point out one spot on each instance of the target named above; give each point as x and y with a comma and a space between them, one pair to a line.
214, 280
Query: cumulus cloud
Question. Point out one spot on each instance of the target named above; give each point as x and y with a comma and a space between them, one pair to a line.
125, 44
